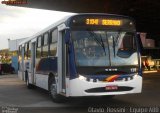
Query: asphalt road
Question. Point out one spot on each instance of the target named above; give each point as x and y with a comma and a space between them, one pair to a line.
15, 97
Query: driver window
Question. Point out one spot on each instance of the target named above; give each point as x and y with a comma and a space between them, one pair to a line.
127, 46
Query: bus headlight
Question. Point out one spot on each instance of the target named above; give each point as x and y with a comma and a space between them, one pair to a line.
82, 77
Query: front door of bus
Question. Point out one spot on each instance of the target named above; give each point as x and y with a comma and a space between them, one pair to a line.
61, 63
33, 47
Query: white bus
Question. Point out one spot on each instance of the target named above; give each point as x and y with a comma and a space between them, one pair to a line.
83, 55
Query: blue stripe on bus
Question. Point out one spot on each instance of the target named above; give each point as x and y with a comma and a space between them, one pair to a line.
72, 66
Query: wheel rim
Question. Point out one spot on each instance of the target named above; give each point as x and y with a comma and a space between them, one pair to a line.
53, 90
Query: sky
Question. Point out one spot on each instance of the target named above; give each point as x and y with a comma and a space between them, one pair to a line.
18, 22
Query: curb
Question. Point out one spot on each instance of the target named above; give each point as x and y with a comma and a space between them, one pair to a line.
8, 76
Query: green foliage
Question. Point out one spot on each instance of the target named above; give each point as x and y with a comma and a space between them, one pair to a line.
5, 55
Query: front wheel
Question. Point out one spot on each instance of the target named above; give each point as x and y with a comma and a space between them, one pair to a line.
53, 92
108, 97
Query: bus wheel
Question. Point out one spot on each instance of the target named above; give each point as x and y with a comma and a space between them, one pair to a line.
53, 92
108, 97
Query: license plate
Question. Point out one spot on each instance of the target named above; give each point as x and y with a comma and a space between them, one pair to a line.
111, 87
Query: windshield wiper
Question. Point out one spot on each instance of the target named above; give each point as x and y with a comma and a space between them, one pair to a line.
103, 45
114, 43
98, 42
108, 48
114, 51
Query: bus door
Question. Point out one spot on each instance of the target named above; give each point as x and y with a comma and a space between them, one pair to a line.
61, 86
33, 57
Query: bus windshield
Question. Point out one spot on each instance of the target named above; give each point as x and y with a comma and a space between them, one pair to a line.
104, 48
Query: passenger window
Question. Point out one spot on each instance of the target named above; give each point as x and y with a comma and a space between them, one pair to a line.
39, 41
45, 45
53, 49
25, 51
38, 53
127, 46
46, 39
29, 50
54, 36
53, 42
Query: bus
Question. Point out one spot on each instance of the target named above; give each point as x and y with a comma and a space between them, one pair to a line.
83, 55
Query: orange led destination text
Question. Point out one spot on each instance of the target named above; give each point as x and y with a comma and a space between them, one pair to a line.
104, 22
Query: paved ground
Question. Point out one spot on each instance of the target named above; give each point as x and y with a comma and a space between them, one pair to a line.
14, 94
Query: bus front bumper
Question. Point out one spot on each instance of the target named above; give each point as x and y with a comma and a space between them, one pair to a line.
80, 87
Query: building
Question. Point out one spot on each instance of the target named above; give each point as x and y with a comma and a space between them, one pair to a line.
13, 48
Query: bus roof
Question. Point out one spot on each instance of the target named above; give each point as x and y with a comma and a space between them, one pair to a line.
46, 29
64, 20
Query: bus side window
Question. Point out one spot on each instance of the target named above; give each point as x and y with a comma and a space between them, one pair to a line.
53, 42
19, 57
38, 53
45, 45
29, 50
127, 46
25, 51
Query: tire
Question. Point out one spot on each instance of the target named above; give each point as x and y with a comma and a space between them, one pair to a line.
53, 92
108, 97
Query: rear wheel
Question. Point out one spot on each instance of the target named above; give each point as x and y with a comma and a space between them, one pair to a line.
53, 91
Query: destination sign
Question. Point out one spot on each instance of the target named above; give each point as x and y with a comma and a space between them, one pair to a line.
104, 22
